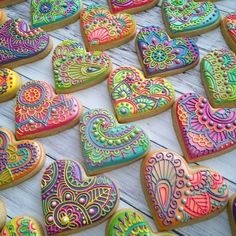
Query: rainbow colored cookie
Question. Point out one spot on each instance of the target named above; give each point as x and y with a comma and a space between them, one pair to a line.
10, 83
3, 214
232, 213
54, 14
161, 56
7, 3
189, 17
101, 30
218, 72
135, 97
178, 194
40, 112
107, 144
73, 202
21, 45
203, 132
20, 160
75, 68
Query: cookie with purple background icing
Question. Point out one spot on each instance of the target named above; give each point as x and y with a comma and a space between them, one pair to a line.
232, 213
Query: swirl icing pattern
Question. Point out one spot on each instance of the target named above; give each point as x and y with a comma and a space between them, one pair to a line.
177, 194
160, 55
135, 97
203, 132
39, 112
72, 201
107, 144
101, 30
188, 17
75, 68
232, 213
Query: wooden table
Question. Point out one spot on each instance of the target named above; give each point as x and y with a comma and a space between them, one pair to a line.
25, 199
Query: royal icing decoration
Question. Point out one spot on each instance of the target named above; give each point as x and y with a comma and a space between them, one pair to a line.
20, 42
135, 97
203, 132
218, 69
75, 68
10, 83
72, 201
39, 112
189, 16
102, 30
53, 12
160, 55
178, 194
232, 213
107, 144
19, 160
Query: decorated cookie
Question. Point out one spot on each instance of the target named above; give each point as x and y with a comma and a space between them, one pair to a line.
189, 17
179, 195
21, 45
39, 112
72, 201
203, 132
54, 14
75, 68
3, 214
228, 28
160, 55
232, 213
218, 72
107, 144
22, 226
10, 83
101, 30
7, 3
135, 97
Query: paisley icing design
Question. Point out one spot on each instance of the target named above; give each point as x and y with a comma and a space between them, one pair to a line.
75, 68
135, 97
20, 44
10, 83
188, 17
107, 144
101, 30
39, 112
203, 132
53, 14
18, 160
232, 213
72, 201
7, 3
160, 55
218, 70
178, 194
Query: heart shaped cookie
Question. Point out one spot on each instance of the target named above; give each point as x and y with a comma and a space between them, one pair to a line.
180, 195
7, 3
39, 112
101, 30
107, 144
3, 214
203, 132
21, 45
75, 68
232, 213
20, 160
189, 17
72, 201
54, 14
135, 97
161, 56
10, 83
218, 72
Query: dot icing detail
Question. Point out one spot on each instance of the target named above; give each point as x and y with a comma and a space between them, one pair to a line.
66, 177
107, 144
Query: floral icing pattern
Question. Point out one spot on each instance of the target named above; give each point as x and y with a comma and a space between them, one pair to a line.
101, 29
203, 132
218, 70
136, 97
75, 68
72, 201
232, 213
39, 111
180, 195
107, 144
160, 55
184, 17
